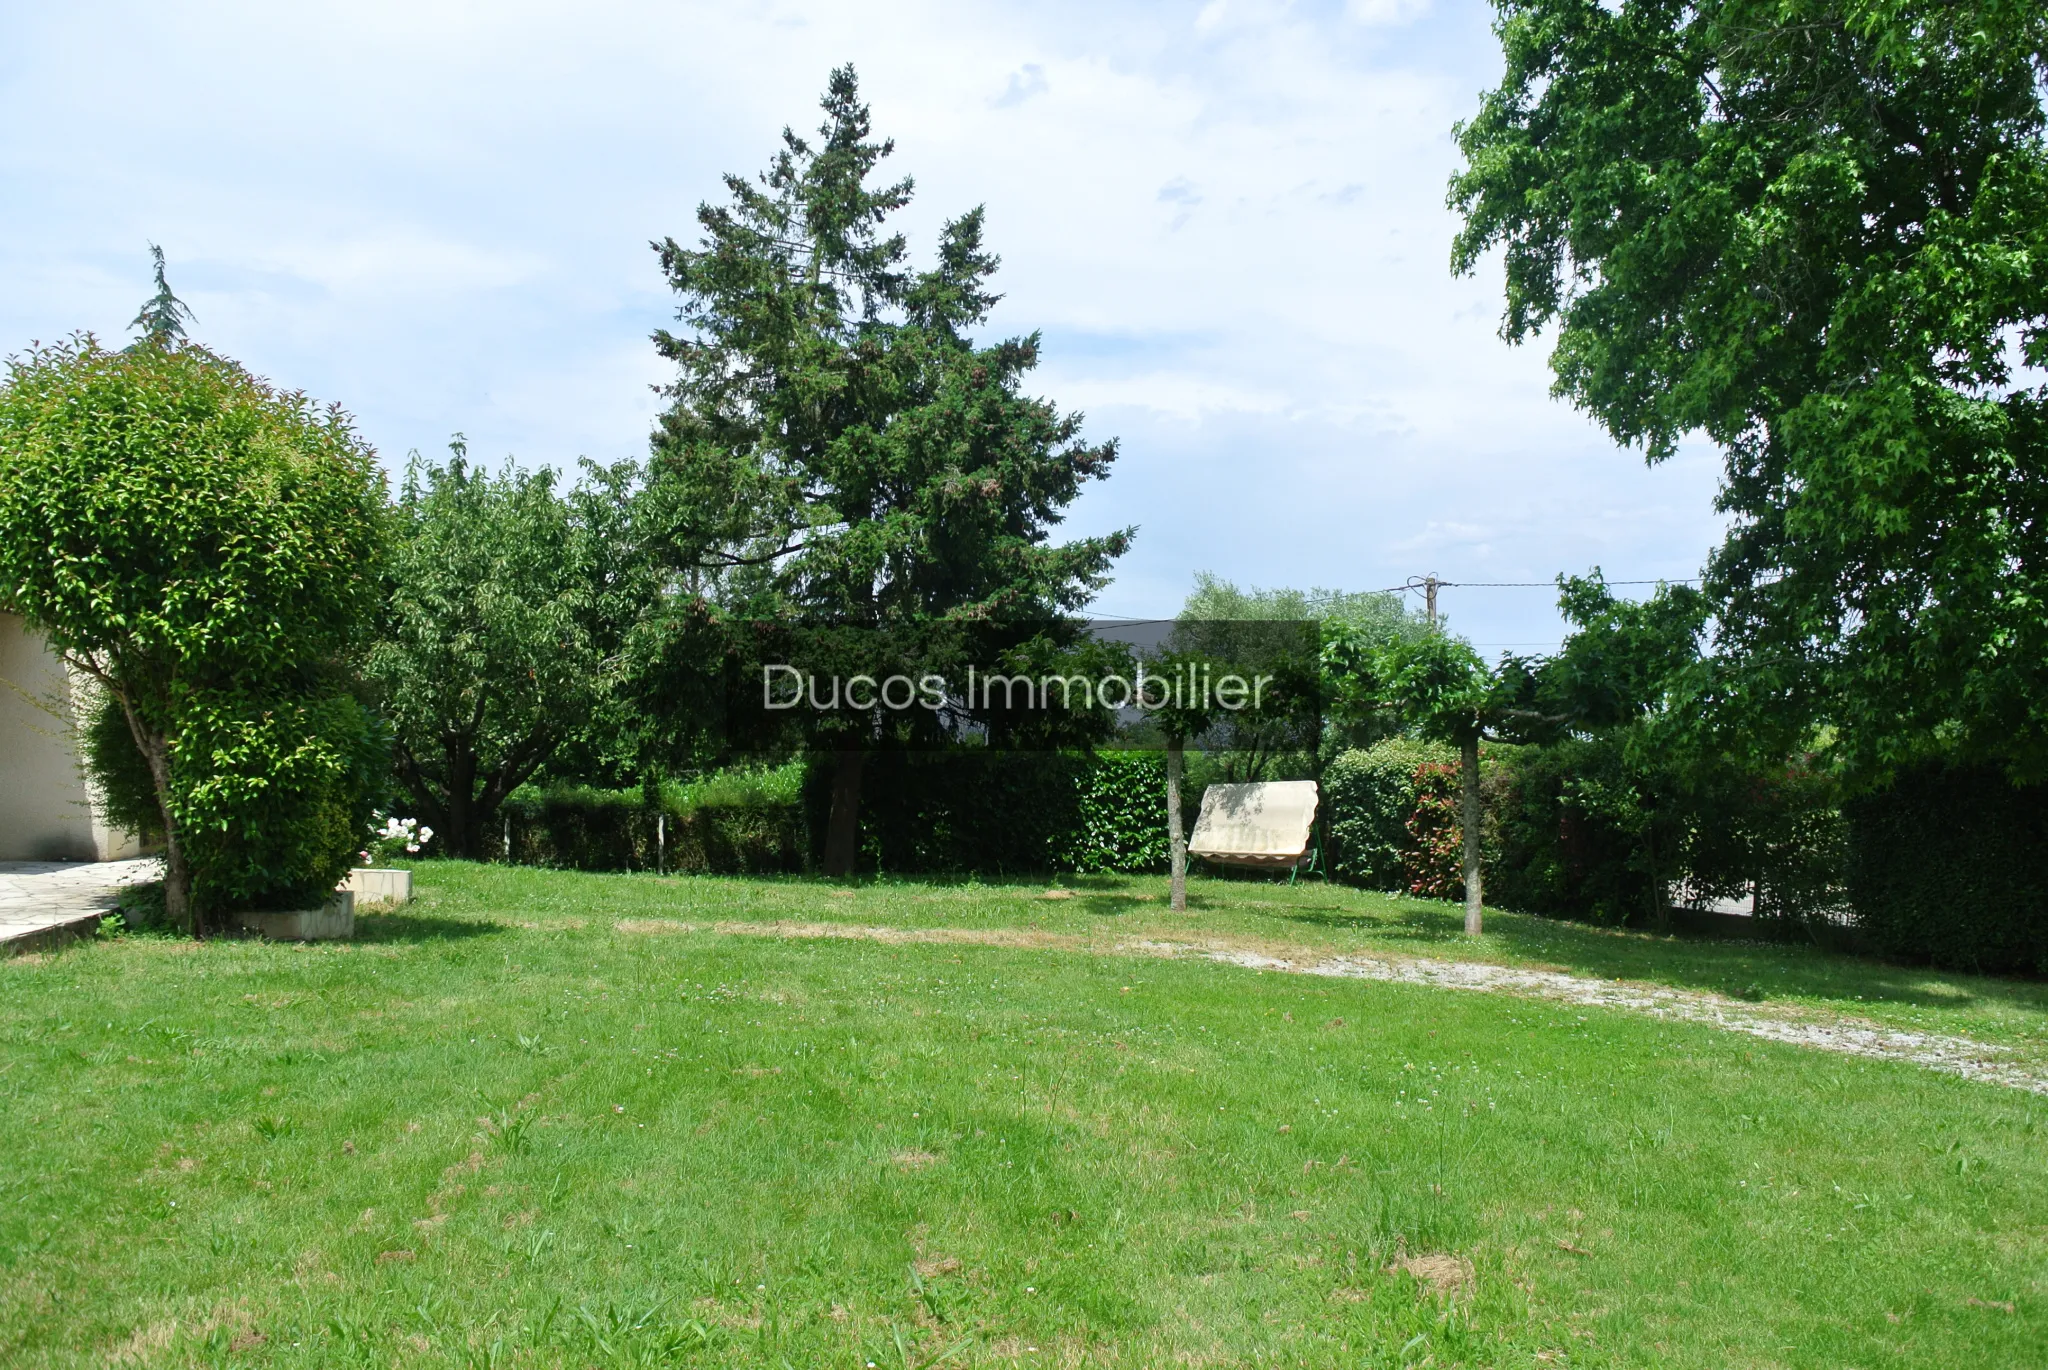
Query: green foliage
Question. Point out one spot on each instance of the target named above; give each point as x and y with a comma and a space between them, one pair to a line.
166, 508
1573, 818
142, 909
163, 316
1432, 867
1625, 797
203, 545
120, 774
741, 822
756, 787
1368, 798
1595, 827
1629, 665
1431, 684
1950, 865
282, 794
1818, 233
1118, 824
988, 811
1221, 619
969, 810
1382, 616
841, 451
838, 446
507, 610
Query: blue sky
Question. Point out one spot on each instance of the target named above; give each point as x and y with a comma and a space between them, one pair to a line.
1227, 219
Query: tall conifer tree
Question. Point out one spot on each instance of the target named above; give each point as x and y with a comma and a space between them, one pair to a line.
838, 447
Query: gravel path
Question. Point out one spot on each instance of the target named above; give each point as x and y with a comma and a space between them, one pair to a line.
1964, 1056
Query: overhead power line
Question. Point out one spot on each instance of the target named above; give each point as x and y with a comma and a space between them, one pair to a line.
1428, 585
1423, 582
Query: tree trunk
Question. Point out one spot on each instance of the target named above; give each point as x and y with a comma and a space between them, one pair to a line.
1660, 895
1475, 893
156, 750
1176, 840
465, 833
842, 832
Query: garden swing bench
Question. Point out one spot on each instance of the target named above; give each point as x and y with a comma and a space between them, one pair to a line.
1265, 825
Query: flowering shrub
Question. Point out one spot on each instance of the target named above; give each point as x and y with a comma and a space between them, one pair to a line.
1434, 865
1369, 797
398, 837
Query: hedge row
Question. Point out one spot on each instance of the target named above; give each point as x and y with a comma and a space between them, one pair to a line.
1945, 867
1950, 866
624, 830
999, 813
973, 810
1368, 799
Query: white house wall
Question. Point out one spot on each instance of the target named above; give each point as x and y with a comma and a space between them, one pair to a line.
45, 812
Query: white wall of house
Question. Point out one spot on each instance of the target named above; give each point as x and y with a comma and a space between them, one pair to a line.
46, 812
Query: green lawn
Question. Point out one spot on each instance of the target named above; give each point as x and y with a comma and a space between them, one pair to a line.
498, 1130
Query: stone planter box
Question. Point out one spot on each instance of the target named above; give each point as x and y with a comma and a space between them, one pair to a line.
333, 921
379, 886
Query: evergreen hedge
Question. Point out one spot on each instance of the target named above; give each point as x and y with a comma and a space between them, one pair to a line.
974, 810
1950, 866
997, 812
727, 826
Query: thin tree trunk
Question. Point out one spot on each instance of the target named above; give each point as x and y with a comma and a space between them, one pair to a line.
1468, 766
1660, 895
156, 750
1177, 842
842, 832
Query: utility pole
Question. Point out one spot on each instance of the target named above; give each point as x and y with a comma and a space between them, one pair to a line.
1429, 584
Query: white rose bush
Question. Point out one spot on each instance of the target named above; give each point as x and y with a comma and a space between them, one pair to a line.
397, 837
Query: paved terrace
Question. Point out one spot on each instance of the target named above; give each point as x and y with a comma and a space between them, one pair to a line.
46, 901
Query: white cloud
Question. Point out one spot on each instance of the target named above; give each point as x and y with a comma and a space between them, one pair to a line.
1185, 397
1385, 12
1229, 227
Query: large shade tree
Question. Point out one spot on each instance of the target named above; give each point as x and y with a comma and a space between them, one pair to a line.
839, 447
1815, 231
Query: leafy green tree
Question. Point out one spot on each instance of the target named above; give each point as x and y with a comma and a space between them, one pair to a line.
204, 547
1436, 687
1225, 620
839, 448
507, 609
1616, 699
1441, 684
1616, 706
1817, 232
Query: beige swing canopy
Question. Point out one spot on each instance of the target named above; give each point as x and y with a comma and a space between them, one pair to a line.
1268, 824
